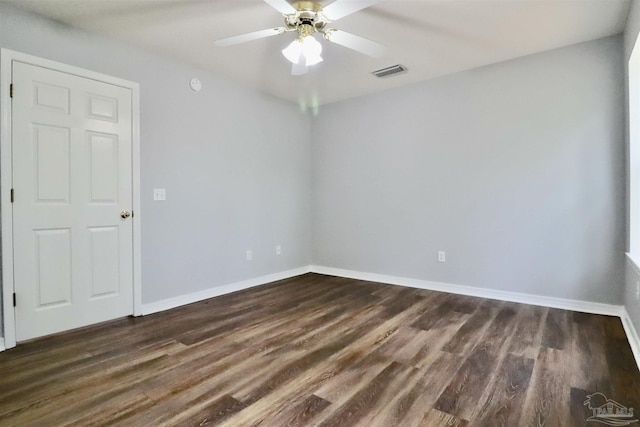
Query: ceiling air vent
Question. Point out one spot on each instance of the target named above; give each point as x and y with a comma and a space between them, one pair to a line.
394, 69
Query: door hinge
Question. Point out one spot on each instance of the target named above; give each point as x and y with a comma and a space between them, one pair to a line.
12, 195
14, 299
11, 90
132, 214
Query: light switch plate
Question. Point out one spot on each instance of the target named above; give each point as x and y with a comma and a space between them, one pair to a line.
159, 194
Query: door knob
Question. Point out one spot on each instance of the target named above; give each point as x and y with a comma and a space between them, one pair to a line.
125, 214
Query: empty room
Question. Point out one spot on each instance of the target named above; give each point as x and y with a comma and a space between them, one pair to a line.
320, 213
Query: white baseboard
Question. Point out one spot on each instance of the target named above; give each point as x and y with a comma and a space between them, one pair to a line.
565, 304
632, 335
180, 300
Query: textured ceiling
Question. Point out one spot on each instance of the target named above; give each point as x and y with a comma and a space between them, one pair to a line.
430, 37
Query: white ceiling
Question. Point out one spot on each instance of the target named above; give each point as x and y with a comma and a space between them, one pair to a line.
430, 37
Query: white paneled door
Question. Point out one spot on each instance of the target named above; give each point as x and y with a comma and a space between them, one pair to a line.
72, 180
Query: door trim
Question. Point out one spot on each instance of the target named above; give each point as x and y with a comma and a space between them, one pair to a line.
6, 181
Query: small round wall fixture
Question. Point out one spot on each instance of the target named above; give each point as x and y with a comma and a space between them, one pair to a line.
195, 85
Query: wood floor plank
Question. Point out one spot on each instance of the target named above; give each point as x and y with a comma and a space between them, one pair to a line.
529, 330
360, 406
329, 368
465, 304
433, 417
465, 389
89, 395
339, 387
503, 402
589, 369
256, 377
294, 368
625, 378
407, 408
121, 405
463, 393
300, 361
323, 350
547, 402
45, 393
579, 412
473, 328
404, 299
216, 412
442, 305
302, 414
405, 344
557, 329
436, 338
499, 333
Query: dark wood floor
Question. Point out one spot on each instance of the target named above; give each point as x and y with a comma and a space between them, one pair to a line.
326, 351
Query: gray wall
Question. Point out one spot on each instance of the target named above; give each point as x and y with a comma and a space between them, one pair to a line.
235, 163
516, 170
632, 275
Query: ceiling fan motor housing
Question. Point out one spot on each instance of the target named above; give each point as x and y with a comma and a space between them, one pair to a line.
307, 19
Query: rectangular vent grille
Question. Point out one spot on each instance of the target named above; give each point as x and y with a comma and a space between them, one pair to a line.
394, 69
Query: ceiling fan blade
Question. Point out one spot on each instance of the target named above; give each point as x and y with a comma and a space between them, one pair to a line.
341, 8
230, 41
299, 69
357, 43
281, 6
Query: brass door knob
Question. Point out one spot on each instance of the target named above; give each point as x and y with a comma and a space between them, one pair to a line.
125, 214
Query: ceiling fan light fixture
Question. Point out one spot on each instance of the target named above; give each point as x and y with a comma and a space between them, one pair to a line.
293, 51
305, 50
311, 49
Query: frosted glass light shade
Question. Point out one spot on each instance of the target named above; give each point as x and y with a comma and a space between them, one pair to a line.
304, 51
293, 52
311, 50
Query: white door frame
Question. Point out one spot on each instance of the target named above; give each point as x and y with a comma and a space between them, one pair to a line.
6, 181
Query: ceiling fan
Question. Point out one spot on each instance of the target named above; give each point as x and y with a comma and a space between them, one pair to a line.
307, 18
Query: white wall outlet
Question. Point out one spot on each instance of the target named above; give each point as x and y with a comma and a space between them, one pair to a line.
442, 256
159, 194
278, 250
638, 290
249, 255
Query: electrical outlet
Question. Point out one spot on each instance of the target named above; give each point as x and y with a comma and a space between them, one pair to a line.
278, 250
249, 255
638, 290
442, 256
